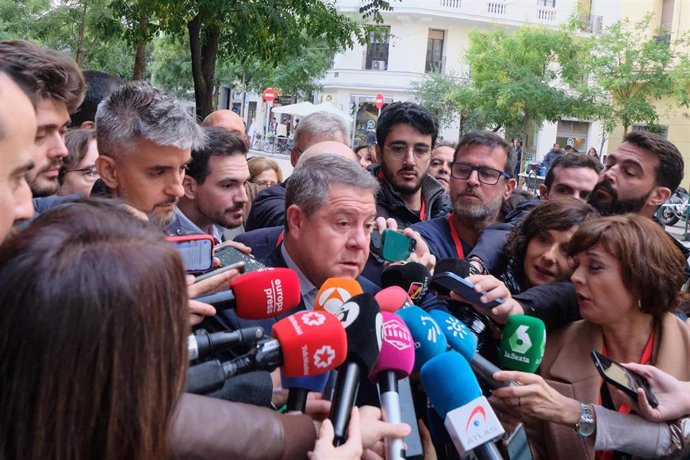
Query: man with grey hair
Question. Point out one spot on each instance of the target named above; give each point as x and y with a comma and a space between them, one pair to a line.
145, 139
268, 209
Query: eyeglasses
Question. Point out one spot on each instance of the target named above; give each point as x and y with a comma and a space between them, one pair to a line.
91, 172
486, 175
400, 151
264, 183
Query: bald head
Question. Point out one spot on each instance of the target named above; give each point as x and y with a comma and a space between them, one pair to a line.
330, 147
226, 119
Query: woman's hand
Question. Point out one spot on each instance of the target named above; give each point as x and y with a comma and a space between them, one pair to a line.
536, 398
351, 450
495, 289
672, 394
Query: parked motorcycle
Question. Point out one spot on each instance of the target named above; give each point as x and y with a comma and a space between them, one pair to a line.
675, 207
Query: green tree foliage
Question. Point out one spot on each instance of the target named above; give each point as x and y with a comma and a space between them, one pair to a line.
242, 31
635, 69
523, 78
434, 93
87, 29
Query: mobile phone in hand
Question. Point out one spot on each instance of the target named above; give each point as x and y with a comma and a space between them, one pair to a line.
622, 378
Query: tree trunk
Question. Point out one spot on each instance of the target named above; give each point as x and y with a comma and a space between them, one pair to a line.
625, 129
79, 55
204, 53
140, 55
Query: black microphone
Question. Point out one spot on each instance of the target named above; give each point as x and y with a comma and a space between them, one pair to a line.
363, 325
413, 277
202, 344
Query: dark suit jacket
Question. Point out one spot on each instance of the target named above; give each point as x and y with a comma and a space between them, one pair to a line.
568, 368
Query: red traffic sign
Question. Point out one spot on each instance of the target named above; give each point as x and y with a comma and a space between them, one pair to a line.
269, 95
379, 101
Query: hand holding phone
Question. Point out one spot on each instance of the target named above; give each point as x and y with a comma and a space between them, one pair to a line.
196, 252
622, 378
447, 282
392, 245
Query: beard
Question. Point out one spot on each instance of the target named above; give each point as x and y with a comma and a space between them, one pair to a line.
608, 203
42, 186
162, 219
403, 189
477, 211
226, 218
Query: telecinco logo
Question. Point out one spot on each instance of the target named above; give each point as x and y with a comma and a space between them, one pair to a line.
396, 335
520, 341
333, 298
324, 356
313, 318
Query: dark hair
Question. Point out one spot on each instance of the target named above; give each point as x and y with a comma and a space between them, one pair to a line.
407, 113
560, 215
491, 140
220, 142
93, 335
570, 160
651, 265
77, 142
669, 173
99, 85
57, 75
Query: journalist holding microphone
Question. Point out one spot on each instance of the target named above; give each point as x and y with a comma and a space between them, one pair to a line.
627, 276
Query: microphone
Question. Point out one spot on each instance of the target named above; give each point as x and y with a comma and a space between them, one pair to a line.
306, 343
522, 344
392, 299
413, 277
395, 362
363, 324
202, 344
299, 389
455, 394
428, 337
260, 294
462, 340
334, 292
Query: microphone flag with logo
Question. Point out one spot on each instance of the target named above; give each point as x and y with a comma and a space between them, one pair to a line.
522, 344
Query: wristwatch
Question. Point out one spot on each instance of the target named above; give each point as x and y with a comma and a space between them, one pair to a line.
585, 427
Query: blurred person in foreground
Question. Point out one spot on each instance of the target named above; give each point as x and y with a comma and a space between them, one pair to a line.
627, 276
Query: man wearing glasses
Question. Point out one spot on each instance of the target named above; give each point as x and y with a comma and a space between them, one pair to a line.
481, 179
406, 134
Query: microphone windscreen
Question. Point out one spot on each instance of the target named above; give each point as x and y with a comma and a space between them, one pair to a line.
334, 292
428, 337
522, 344
392, 299
265, 293
413, 277
363, 324
312, 342
458, 266
313, 383
397, 348
449, 382
459, 337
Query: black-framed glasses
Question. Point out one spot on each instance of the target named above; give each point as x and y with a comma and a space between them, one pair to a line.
489, 176
90, 172
399, 151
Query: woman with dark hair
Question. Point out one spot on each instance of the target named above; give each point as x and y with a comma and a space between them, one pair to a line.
78, 172
536, 248
92, 348
627, 274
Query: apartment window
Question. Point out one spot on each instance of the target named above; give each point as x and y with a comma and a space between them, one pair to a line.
434, 51
572, 132
377, 49
551, 3
667, 15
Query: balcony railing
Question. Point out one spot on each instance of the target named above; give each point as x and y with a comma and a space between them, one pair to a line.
450, 3
546, 15
496, 8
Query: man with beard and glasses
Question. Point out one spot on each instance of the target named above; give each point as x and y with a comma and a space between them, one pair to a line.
214, 194
60, 91
406, 134
481, 180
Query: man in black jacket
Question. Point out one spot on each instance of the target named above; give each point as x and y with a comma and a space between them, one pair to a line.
406, 133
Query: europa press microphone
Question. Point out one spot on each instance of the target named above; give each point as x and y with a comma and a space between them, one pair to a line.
469, 419
395, 362
304, 344
522, 344
258, 295
413, 277
363, 324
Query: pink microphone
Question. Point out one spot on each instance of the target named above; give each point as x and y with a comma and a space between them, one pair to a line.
395, 362
392, 299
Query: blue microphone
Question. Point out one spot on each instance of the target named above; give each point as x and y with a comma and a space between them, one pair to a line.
456, 396
428, 337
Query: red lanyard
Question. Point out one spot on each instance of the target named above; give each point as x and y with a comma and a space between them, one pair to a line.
624, 408
454, 235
